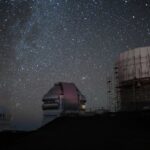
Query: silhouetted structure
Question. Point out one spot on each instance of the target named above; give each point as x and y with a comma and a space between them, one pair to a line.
5, 119
125, 131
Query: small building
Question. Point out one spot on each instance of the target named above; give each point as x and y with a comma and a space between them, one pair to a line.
5, 119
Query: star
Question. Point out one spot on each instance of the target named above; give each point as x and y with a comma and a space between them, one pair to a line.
44, 42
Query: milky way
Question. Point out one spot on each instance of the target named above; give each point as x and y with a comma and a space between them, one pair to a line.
43, 42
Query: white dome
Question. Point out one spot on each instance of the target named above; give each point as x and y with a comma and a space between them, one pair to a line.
134, 64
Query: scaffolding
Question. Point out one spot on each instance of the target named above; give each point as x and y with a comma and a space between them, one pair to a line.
111, 99
117, 89
132, 80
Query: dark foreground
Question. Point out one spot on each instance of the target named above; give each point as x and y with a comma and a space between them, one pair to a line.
109, 131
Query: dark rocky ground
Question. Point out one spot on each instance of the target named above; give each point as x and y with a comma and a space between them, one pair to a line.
108, 131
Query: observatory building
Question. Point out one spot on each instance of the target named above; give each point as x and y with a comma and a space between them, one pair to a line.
132, 72
62, 98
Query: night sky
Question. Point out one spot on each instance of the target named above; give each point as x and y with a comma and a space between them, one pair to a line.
46, 41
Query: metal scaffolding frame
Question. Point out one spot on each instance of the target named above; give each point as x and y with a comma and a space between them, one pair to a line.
132, 81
